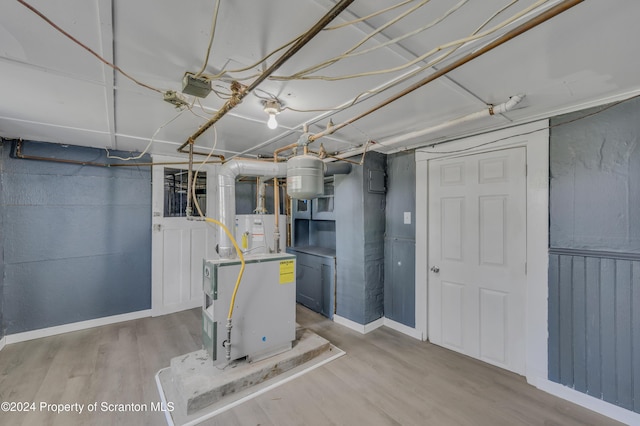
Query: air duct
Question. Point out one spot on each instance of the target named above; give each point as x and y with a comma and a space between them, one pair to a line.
230, 170
227, 193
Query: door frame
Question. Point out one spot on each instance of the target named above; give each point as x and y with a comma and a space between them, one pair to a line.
535, 138
157, 250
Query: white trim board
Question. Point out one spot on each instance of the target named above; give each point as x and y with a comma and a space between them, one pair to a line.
592, 403
3, 342
535, 138
384, 321
75, 326
362, 329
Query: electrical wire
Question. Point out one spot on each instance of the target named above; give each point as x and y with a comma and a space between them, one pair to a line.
224, 228
453, 44
137, 157
213, 31
78, 42
360, 43
220, 74
372, 15
402, 79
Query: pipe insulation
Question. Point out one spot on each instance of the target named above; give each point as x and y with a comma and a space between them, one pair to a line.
486, 112
227, 175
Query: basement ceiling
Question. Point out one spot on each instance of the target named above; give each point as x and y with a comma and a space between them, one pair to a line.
53, 90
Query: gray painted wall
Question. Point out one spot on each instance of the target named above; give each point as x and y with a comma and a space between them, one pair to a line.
360, 243
77, 239
594, 312
594, 262
2, 326
400, 240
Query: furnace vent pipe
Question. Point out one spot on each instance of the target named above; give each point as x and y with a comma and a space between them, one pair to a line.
227, 175
336, 168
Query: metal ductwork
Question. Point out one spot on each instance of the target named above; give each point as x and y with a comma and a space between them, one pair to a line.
227, 175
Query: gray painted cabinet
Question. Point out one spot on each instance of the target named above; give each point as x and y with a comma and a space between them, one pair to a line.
315, 279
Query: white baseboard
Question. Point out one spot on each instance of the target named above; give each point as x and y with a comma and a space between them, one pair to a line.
3, 342
366, 328
404, 329
67, 328
363, 329
594, 404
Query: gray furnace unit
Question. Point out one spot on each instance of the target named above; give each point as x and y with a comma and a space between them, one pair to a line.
264, 315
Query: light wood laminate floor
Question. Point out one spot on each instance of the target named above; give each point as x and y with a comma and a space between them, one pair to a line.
385, 378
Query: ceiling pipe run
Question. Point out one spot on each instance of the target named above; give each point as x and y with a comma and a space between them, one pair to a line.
227, 175
526, 26
239, 93
487, 112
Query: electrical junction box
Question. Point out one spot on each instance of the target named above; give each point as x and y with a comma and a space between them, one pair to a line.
264, 315
196, 86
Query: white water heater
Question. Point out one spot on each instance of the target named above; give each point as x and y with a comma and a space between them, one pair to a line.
305, 177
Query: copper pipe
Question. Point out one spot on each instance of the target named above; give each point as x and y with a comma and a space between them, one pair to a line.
284, 148
533, 22
299, 44
188, 209
206, 154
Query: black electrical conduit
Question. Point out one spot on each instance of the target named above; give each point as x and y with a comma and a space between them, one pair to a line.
17, 145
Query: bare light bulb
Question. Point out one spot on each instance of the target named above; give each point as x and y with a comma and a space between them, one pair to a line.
272, 123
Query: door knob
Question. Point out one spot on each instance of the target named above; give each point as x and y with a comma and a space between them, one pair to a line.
435, 269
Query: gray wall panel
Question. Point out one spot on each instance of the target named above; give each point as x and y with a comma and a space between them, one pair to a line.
623, 334
595, 180
2, 232
635, 330
566, 323
594, 367
360, 243
608, 329
78, 238
594, 262
554, 318
399, 270
579, 327
349, 245
399, 260
596, 312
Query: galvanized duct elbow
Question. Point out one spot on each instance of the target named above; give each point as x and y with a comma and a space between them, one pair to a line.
227, 175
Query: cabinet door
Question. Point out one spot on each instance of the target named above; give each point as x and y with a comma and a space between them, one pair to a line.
309, 282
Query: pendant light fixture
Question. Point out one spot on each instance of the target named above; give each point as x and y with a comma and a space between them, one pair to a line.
273, 108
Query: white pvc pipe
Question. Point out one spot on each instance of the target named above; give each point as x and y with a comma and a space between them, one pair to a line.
498, 109
227, 175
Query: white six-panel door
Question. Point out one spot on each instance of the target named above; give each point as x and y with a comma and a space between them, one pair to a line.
477, 255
